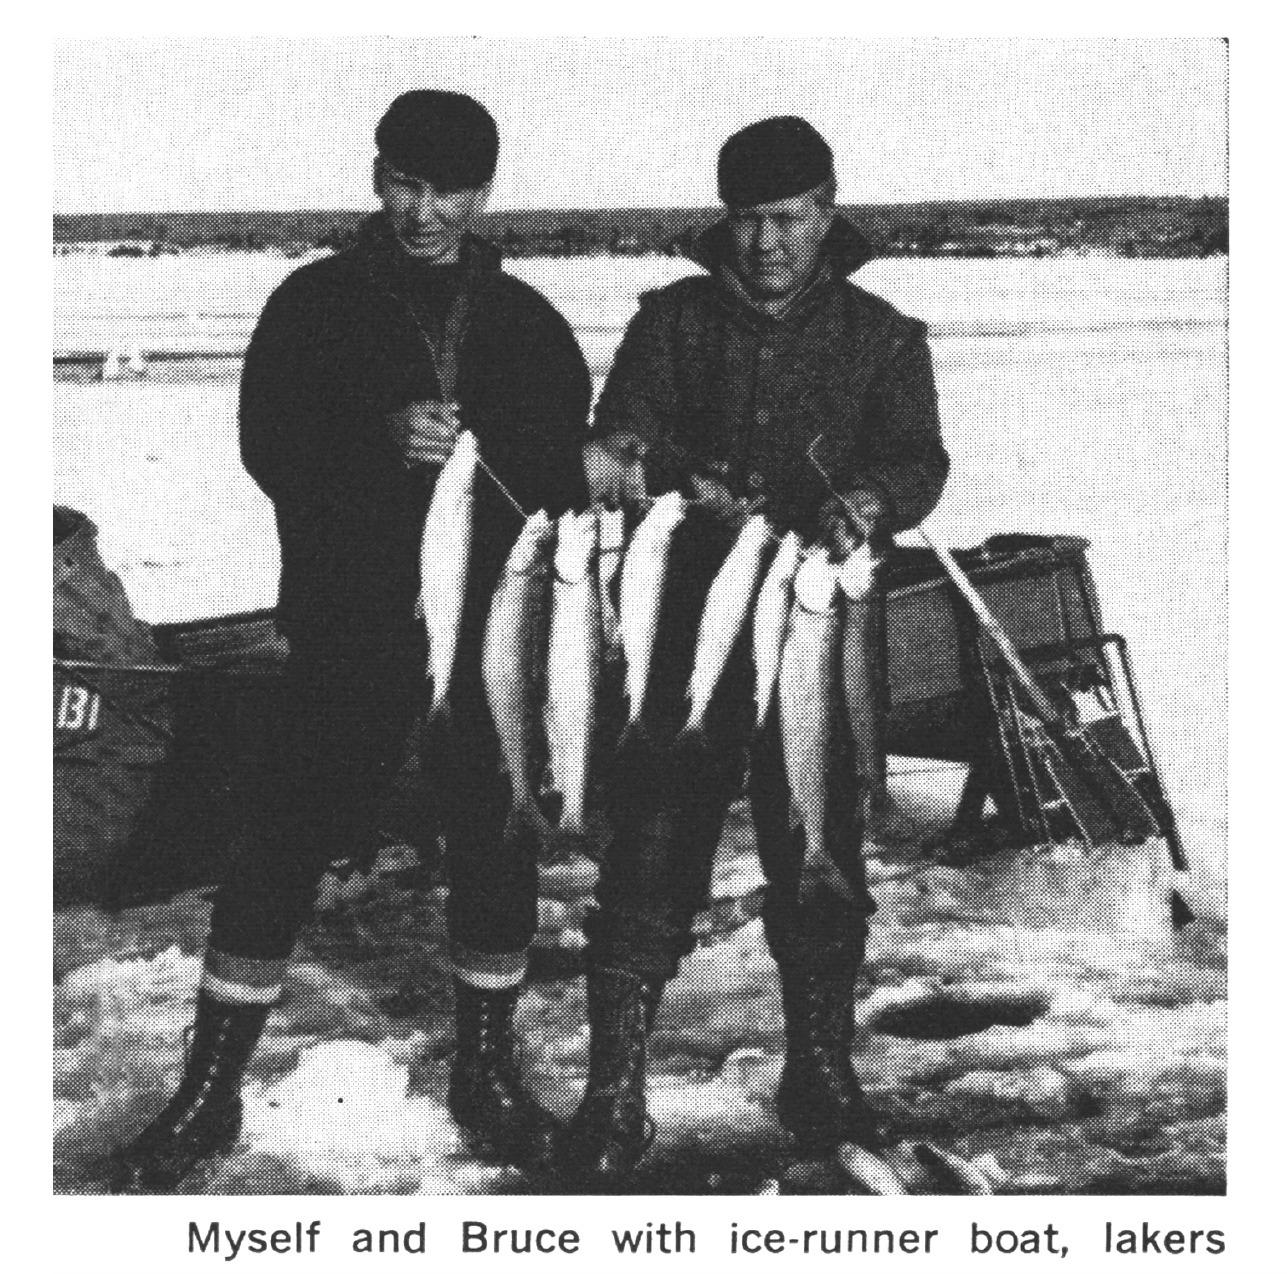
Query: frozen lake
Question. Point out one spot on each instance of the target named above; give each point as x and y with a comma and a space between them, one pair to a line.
1086, 397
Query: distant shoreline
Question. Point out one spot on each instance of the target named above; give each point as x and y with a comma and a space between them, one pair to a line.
1132, 226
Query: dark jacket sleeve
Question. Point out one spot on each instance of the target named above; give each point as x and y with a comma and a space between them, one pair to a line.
641, 395
531, 404
304, 437
906, 463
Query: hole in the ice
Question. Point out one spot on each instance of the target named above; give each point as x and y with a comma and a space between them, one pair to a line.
944, 1016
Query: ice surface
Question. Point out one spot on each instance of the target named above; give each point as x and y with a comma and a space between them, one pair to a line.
1078, 396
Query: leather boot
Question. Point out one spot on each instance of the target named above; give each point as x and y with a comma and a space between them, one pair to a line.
610, 1131
818, 1099
203, 1118
485, 1093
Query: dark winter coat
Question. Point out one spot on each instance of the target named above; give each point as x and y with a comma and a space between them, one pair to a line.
703, 374
337, 348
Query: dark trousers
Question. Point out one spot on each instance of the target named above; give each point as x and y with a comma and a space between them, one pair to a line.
666, 797
349, 706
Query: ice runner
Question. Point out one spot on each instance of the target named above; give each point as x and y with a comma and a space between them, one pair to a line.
722, 383
362, 371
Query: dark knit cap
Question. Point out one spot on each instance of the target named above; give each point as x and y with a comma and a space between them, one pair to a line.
446, 139
777, 158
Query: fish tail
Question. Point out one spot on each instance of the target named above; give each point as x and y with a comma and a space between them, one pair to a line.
439, 713
526, 818
695, 725
571, 821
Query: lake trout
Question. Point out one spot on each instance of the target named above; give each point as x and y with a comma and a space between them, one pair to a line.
867, 1170
573, 664
612, 547
805, 696
858, 668
508, 641
953, 1173
444, 562
724, 616
768, 628
643, 580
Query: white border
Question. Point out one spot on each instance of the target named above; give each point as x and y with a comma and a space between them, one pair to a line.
47, 1233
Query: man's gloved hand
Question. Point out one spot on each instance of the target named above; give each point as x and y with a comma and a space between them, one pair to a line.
425, 432
850, 519
614, 470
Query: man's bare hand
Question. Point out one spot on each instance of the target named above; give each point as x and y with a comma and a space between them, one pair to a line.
614, 470
713, 496
425, 432
846, 522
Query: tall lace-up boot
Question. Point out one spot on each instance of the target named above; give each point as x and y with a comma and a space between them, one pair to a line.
819, 1099
485, 1094
203, 1118
611, 1132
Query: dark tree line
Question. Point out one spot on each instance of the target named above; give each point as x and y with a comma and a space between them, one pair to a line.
1123, 227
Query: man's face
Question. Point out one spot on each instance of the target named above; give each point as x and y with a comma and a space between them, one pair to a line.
776, 245
428, 224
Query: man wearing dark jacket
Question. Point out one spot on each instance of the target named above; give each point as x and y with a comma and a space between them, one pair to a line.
726, 384
360, 374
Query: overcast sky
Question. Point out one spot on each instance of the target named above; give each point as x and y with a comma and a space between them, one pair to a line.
197, 124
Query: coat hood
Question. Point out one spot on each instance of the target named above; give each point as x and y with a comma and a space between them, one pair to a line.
845, 248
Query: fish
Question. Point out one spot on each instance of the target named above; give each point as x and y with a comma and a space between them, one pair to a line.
868, 1170
768, 628
643, 581
858, 669
444, 562
573, 664
955, 1174
805, 692
612, 545
724, 616
508, 641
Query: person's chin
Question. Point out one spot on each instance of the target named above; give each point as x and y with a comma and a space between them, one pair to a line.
771, 285
435, 248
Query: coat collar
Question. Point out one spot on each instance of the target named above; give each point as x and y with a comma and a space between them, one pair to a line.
844, 250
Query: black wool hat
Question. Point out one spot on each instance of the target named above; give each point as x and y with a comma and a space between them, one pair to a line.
776, 158
446, 139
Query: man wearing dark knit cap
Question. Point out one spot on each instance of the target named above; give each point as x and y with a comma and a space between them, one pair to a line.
361, 372
723, 386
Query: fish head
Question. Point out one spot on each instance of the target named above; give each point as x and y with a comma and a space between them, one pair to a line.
458, 473
528, 549
576, 545
858, 573
612, 530
466, 447
787, 558
667, 511
756, 534
815, 582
